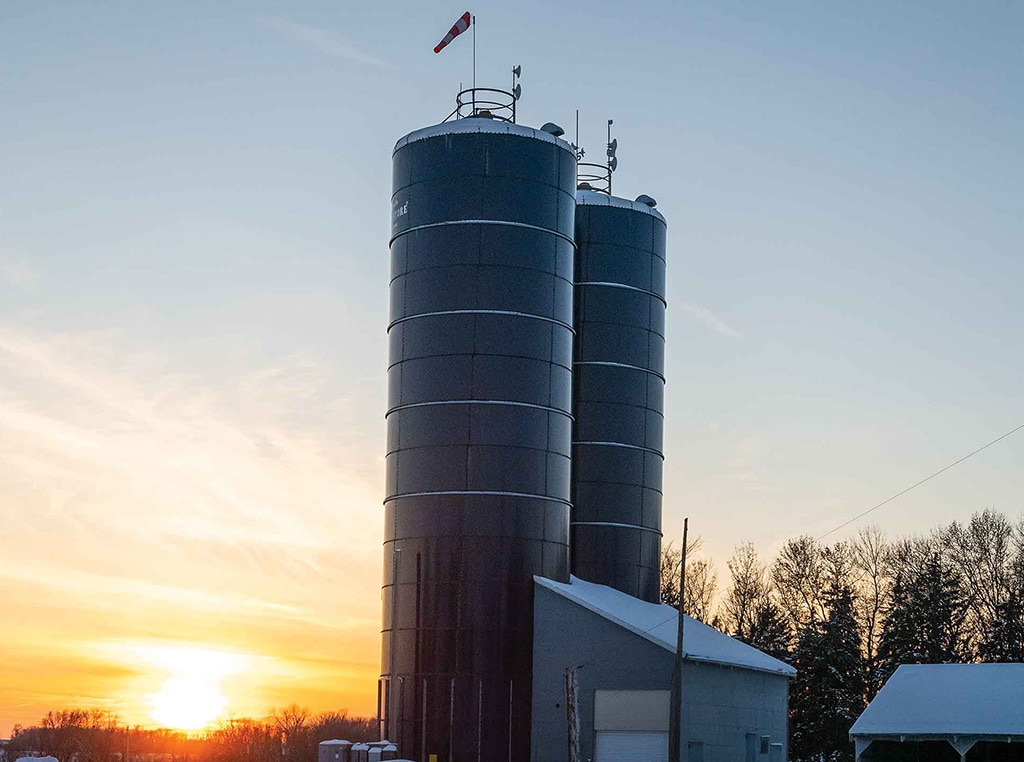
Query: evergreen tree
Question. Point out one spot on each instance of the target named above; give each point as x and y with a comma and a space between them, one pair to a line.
898, 643
769, 631
1003, 640
828, 692
924, 621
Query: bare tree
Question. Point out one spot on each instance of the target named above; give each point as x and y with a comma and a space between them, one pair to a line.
328, 725
870, 559
837, 568
671, 557
61, 733
292, 726
701, 586
99, 738
746, 592
245, 740
1018, 554
342, 725
983, 553
798, 580
908, 555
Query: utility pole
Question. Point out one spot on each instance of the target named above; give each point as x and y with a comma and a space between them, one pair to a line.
572, 716
675, 717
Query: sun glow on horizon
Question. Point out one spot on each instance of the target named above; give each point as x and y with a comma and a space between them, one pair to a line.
187, 702
190, 696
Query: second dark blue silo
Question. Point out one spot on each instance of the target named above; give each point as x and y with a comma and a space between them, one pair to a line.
479, 430
618, 393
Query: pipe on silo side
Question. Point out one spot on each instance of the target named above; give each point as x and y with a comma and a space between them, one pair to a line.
618, 394
479, 430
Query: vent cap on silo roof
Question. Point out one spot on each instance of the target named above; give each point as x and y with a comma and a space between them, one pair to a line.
552, 129
646, 200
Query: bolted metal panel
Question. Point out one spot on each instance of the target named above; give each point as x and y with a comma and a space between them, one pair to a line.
479, 430
618, 394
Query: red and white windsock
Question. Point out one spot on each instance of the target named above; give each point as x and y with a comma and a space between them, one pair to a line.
460, 26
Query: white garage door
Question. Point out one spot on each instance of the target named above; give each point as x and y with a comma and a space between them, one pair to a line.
620, 746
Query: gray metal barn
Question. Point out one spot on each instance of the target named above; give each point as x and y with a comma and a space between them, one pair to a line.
735, 698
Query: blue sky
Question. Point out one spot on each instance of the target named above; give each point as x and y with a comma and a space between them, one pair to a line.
194, 209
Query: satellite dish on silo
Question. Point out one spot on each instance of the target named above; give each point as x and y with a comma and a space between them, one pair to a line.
517, 89
613, 146
613, 163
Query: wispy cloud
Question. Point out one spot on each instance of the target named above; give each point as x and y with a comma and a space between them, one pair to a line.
221, 465
322, 40
137, 500
710, 320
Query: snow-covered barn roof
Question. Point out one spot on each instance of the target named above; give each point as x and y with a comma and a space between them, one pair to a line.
658, 624
947, 699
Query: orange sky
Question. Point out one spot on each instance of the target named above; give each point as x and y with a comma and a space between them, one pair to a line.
141, 512
194, 294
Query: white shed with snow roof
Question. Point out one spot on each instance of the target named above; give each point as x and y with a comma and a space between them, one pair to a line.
735, 698
945, 712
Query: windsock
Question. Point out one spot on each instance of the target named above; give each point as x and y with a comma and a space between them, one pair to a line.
460, 26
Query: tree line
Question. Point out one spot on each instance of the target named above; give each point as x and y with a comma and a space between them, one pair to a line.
847, 614
291, 734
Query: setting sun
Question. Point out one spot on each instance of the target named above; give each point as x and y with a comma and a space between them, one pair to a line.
187, 703
190, 697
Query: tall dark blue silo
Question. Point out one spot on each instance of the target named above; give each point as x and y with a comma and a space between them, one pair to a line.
618, 393
479, 430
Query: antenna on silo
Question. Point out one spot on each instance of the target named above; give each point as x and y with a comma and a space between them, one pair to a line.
613, 162
580, 153
517, 89
591, 176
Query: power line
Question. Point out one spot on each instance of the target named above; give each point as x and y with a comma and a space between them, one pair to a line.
926, 479
649, 630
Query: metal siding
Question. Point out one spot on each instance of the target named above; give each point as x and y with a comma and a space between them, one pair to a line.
720, 704
479, 434
618, 400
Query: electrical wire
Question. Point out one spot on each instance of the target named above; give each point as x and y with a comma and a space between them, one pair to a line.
595, 657
926, 479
